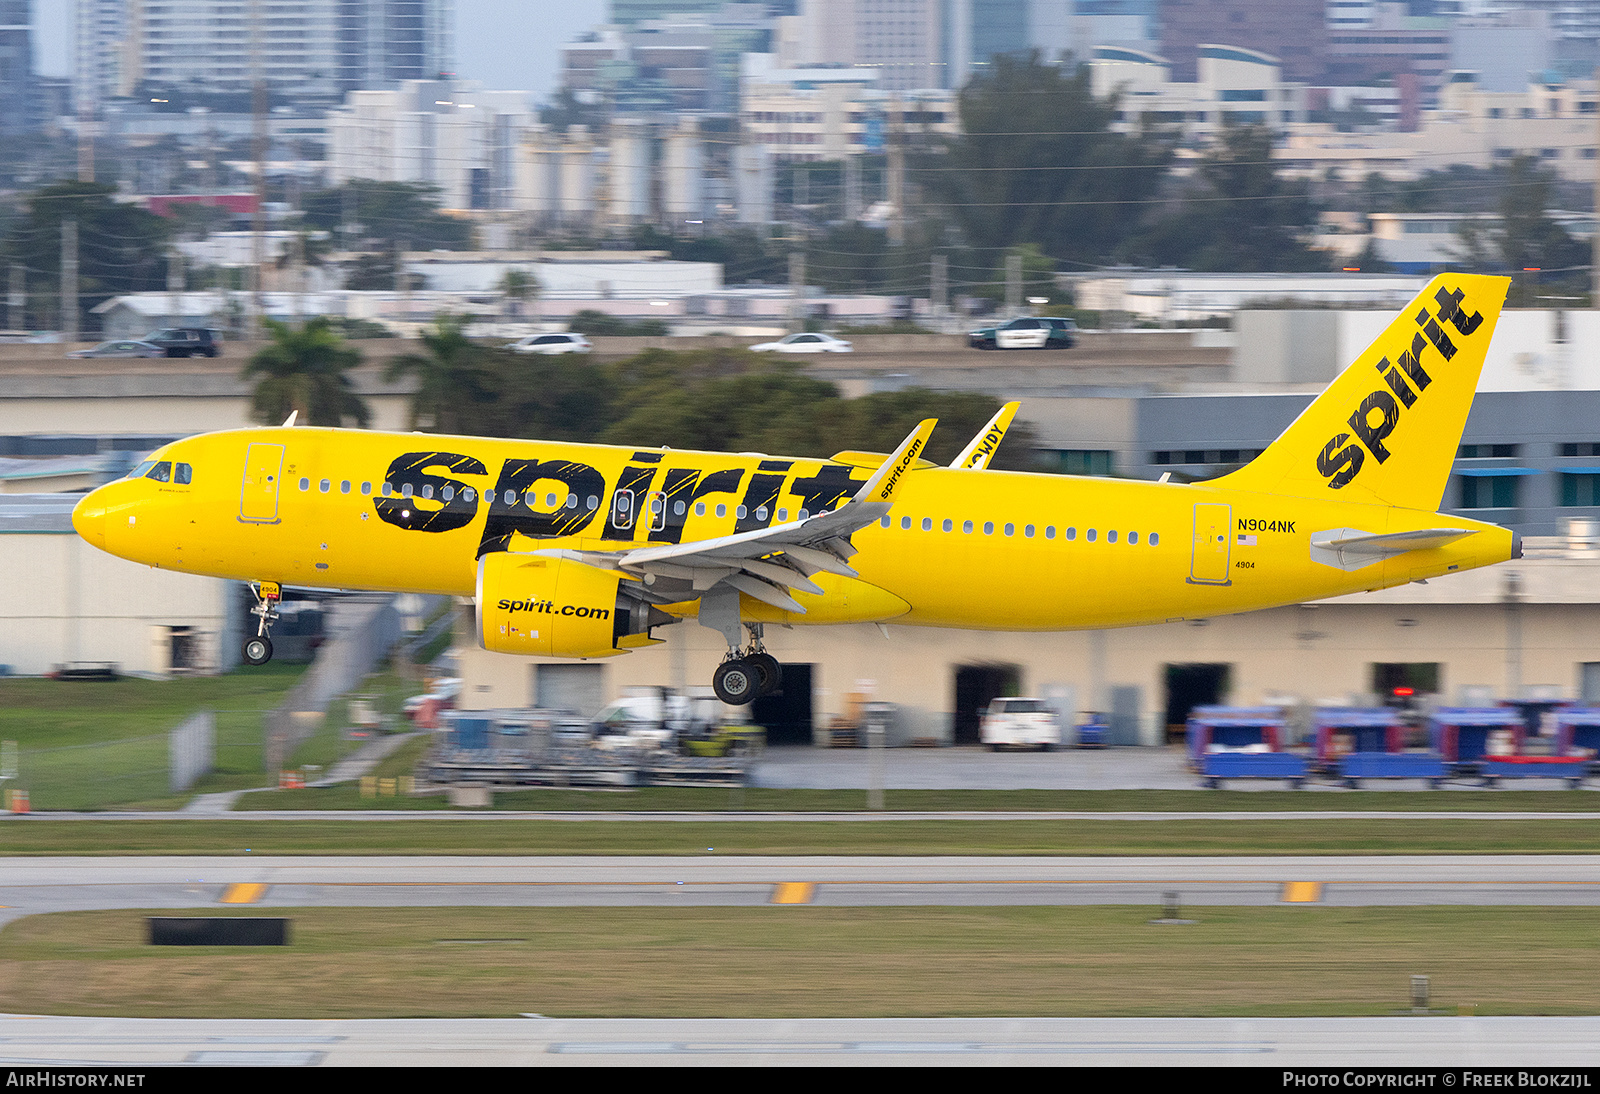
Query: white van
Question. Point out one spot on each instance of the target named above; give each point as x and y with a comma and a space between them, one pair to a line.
1019, 723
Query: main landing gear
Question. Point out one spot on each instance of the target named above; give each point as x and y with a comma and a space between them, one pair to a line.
745, 676
258, 648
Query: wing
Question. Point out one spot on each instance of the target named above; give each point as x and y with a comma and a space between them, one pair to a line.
768, 562
980, 450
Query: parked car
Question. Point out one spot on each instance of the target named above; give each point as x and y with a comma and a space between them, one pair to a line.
1019, 723
125, 348
805, 343
187, 341
1027, 332
550, 343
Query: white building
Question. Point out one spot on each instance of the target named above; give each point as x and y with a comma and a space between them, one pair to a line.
81, 604
449, 134
1235, 86
829, 113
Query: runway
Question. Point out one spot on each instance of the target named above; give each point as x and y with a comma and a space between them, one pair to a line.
37, 885
1411, 1042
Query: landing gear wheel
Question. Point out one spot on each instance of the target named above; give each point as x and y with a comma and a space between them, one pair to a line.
257, 650
767, 668
736, 682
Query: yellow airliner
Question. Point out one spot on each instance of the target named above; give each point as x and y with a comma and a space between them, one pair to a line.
580, 550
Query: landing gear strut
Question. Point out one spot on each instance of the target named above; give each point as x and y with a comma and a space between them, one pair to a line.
746, 675
258, 647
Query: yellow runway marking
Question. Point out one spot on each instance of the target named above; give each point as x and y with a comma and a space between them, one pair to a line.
242, 892
1301, 892
793, 892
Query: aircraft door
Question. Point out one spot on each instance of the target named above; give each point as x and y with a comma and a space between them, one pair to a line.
1213, 545
258, 497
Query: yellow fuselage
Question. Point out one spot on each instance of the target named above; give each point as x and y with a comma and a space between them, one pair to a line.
970, 549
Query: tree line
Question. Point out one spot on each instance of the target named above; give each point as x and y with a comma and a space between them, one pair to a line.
716, 399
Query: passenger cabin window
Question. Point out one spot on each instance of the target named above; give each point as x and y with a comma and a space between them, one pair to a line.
366, 488
344, 487
305, 484
161, 472
1154, 539
927, 524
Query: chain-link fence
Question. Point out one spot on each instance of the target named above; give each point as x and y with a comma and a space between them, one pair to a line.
133, 770
361, 630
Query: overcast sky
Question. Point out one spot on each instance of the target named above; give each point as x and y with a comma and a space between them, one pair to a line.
511, 45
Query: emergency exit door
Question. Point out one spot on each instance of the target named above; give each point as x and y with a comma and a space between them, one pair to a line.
1213, 545
258, 497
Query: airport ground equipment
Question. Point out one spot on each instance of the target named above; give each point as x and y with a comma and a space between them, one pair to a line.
1578, 734
1242, 743
1092, 734
1463, 736
1355, 743
504, 748
1571, 768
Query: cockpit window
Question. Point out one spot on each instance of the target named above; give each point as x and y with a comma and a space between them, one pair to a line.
139, 472
161, 472
183, 473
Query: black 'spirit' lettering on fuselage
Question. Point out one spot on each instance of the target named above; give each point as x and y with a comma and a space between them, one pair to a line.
435, 513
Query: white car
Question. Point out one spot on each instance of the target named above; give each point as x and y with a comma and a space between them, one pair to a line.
1019, 723
805, 343
550, 343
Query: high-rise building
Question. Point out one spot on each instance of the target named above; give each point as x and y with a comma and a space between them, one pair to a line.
314, 47
381, 42
18, 107
101, 52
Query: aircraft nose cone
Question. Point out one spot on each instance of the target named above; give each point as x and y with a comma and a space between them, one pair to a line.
89, 519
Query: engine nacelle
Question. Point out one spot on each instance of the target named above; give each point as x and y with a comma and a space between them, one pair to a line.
552, 607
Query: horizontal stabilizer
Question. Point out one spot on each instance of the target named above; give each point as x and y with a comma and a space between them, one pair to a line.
1351, 548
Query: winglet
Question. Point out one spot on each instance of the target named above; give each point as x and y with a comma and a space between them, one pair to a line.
289, 421
881, 486
980, 450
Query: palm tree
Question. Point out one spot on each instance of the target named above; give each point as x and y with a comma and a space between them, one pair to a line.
450, 376
517, 286
303, 370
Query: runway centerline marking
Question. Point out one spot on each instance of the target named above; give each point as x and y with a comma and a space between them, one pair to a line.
793, 892
243, 892
1301, 892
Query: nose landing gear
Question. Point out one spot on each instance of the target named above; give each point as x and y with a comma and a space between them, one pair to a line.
744, 677
258, 648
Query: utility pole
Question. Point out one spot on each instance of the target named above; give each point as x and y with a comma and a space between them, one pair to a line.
85, 138
402, 283
69, 281
852, 187
1013, 283
797, 290
175, 287
939, 290
897, 174
18, 299
258, 143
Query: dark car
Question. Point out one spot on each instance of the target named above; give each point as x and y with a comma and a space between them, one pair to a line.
1027, 332
186, 341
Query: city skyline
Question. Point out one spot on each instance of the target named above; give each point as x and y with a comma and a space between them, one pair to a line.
482, 29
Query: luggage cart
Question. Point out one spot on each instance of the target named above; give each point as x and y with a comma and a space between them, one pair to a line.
1241, 743
1355, 743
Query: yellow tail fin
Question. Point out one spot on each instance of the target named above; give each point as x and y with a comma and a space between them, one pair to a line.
1387, 429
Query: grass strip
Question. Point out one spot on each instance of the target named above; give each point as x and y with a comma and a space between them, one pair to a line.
669, 799
37, 835
809, 961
